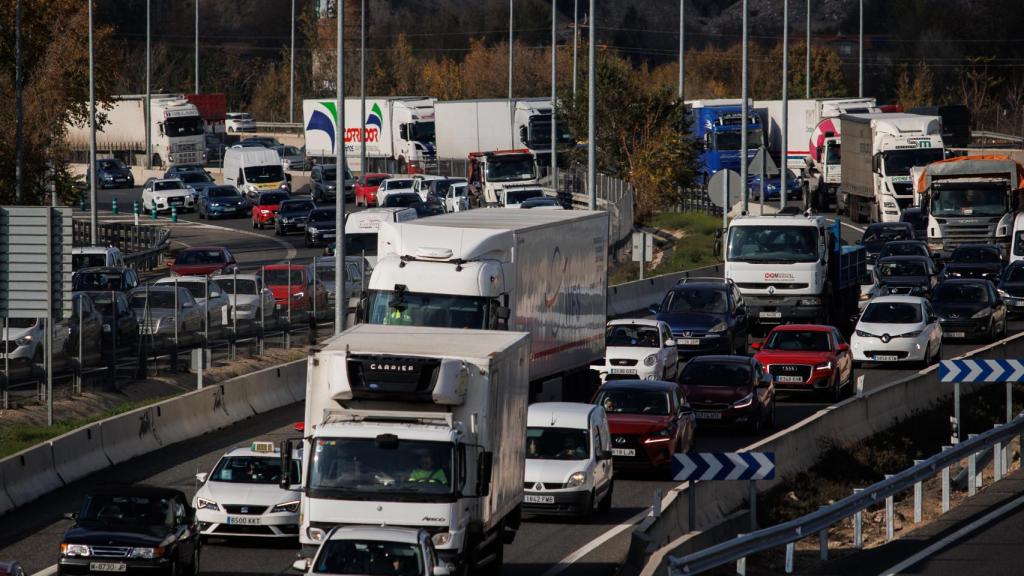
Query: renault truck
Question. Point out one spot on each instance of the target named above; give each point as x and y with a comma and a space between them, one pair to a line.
416, 427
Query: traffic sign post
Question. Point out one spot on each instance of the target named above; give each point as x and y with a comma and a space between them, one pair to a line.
643, 249
706, 466
723, 191
990, 371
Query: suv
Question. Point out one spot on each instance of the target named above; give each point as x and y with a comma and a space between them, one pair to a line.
706, 315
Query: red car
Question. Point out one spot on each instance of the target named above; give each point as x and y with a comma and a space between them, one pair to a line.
202, 261
807, 358
366, 188
648, 420
265, 208
729, 390
280, 278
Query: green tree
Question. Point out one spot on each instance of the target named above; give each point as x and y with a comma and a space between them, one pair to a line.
917, 88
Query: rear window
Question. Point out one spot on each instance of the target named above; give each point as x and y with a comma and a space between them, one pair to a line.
190, 257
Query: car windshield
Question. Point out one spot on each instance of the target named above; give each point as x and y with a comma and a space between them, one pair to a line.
960, 293
899, 162
194, 177
360, 243
509, 169
901, 268
988, 201
892, 313
728, 374
192, 257
279, 277
904, 249
112, 164
634, 401
368, 557
971, 255
436, 310
400, 200
802, 340
322, 215
297, 206
1014, 274
157, 299
79, 261
264, 174
98, 281
325, 272
632, 335
696, 300
271, 199
513, 197
169, 185
557, 444
393, 184
885, 234
773, 244
247, 470
230, 286
222, 192
382, 466
289, 151
127, 510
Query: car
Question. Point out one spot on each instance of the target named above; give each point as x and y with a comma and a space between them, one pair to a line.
907, 248
93, 256
214, 147
897, 329
292, 215
542, 203
730, 391
970, 308
649, 421
23, 340
296, 294
202, 261
179, 169
913, 275
321, 226
707, 316
167, 313
456, 198
918, 220
120, 325
111, 173
638, 349
106, 278
391, 185
366, 188
356, 269
131, 529
268, 142
12, 569
1011, 287
807, 358
375, 550
878, 234
264, 208
772, 185
208, 296
238, 122
569, 468
249, 300
514, 197
220, 201
323, 181
292, 157
432, 207
164, 193
426, 185
984, 261
195, 180
243, 496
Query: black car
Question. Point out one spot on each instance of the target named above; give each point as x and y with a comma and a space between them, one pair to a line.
908, 275
106, 278
112, 173
975, 261
177, 170
878, 234
910, 248
292, 215
970, 308
431, 207
323, 180
132, 529
1011, 287
918, 220
320, 226
218, 201
707, 316
401, 200
259, 142
214, 148
120, 325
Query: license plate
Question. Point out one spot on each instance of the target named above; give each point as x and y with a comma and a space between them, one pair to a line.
886, 357
107, 567
300, 225
622, 371
229, 208
175, 200
244, 520
771, 315
278, 306
122, 180
688, 341
623, 452
708, 415
955, 334
796, 379
532, 499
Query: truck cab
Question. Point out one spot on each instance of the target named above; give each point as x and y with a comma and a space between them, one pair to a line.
491, 172
717, 127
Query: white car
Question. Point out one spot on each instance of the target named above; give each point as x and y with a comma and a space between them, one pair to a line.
238, 122
897, 329
639, 348
92, 256
392, 185
457, 197
167, 192
375, 550
243, 496
421, 184
249, 300
209, 296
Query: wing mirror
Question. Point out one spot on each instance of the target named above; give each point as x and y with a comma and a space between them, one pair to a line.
201, 477
71, 515
186, 304
654, 308
844, 347
670, 342
756, 345
604, 454
303, 564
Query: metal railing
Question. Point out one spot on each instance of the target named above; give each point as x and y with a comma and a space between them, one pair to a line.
142, 246
817, 523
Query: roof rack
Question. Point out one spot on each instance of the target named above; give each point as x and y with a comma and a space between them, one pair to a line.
704, 279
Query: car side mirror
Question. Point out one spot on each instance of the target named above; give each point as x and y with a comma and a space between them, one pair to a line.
670, 342
756, 345
933, 319
686, 409
442, 570
201, 477
654, 308
604, 454
186, 304
214, 294
844, 347
302, 564
71, 515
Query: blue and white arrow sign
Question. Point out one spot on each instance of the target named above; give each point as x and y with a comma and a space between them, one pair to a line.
981, 371
724, 466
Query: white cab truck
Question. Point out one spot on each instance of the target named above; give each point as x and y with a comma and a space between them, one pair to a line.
492, 173
420, 428
466, 126
399, 129
537, 271
804, 116
878, 152
176, 134
969, 200
822, 170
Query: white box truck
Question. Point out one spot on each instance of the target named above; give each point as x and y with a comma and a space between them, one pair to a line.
537, 271
417, 427
468, 126
399, 129
878, 152
176, 134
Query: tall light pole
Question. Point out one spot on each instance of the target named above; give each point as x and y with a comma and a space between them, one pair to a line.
682, 33
149, 120
93, 221
807, 57
197, 46
554, 96
340, 303
291, 72
575, 41
860, 54
785, 105
591, 104
744, 114
18, 114
511, 108
362, 91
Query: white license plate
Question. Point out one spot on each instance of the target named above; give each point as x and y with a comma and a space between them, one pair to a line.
688, 341
886, 357
107, 567
955, 334
770, 314
278, 307
795, 379
228, 208
244, 520
623, 452
533, 499
622, 371
709, 415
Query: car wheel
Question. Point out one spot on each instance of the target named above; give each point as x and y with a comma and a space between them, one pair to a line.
587, 510
837, 389
253, 224
606, 503
201, 215
851, 383
771, 414
755, 424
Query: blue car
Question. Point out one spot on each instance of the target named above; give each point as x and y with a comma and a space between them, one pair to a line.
220, 201
706, 315
772, 184
112, 173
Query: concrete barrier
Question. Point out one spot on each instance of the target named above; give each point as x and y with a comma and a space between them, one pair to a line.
630, 297
189, 416
30, 474
79, 453
297, 382
6, 503
269, 389
130, 434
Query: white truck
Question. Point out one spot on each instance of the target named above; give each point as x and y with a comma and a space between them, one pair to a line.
421, 428
176, 134
399, 129
878, 152
491, 173
467, 126
537, 271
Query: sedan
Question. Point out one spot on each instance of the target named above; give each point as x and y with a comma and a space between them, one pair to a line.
970, 308
197, 182
321, 227
649, 421
264, 209
292, 215
898, 329
638, 348
1011, 287
730, 390
878, 234
913, 275
202, 261
296, 294
249, 300
393, 185
218, 201
167, 313
208, 295
975, 261
366, 188
707, 316
807, 358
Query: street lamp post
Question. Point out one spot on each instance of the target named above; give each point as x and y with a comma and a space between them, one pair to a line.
785, 106
591, 104
744, 115
93, 220
197, 46
340, 303
554, 96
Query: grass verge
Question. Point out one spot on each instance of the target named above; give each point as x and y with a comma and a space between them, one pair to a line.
694, 250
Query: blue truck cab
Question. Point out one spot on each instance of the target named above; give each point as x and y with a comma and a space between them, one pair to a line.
717, 126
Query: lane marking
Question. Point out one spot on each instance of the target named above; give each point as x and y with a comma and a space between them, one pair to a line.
943, 543
48, 571
579, 553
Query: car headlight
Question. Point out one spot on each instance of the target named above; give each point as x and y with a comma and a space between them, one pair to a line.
576, 480
265, 212
719, 328
889, 204
744, 402
214, 204
913, 334
106, 327
864, 334
312, 230
825, 366
292, 506
865, 296
814, 301
441, 538
299, 295
954, 274
147, 552
983, 313
651, 360
663, 435
1003, 293
75, 550
24, 340
204, 504
284, 220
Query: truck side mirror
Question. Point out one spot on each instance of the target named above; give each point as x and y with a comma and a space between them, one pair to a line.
403, 131
483, 474
522, 134
286, 464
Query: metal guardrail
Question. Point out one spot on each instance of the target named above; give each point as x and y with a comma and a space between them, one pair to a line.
996, 136
786, 534
278, 127
142, 246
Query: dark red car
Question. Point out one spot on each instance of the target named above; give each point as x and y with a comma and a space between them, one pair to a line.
807, 358
729, 390
648, 420
202, 261
265, 208
283, 279
366, 188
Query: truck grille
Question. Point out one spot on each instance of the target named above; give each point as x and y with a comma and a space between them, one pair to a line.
178, 148
953, 235
801, 370
543, 486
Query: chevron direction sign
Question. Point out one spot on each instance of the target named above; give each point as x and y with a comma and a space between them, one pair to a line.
724, 466
981, 371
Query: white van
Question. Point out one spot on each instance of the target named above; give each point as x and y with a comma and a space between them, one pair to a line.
568, 460
361, 229
91, 256
254, 170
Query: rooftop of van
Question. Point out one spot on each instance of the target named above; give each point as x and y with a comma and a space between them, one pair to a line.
559, 415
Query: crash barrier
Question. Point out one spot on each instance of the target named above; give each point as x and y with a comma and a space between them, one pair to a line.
796, 449
36, 471
142, 246
638, 295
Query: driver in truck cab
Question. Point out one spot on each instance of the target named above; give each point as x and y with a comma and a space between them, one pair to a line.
427, 471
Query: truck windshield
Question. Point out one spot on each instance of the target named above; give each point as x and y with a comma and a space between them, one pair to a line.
183, 126
899, 162
833, 154
436, 310
379, 470
422, 132
264, 174
360, 243
773, 244
515, 197
731, 140
510, 169
969, 201
557, 443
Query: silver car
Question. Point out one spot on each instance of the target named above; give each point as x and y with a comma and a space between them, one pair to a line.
354, 273
250, 301
21, 345
292, 157
208, 295
166, 312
